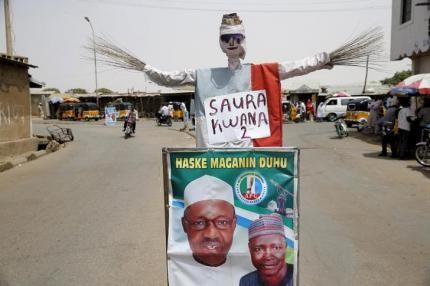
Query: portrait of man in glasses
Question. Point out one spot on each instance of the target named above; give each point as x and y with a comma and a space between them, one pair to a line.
209, 219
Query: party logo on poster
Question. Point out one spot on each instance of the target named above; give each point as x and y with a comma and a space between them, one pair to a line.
251, 188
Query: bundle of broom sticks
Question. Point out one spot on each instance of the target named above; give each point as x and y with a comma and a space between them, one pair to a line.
364, 49
112, 55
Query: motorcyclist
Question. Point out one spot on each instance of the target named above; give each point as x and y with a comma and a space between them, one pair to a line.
164, 112
131, 119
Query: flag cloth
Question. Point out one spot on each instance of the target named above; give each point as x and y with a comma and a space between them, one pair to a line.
266, 76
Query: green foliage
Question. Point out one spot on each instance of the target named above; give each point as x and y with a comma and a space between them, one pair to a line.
53, 89
77, 91
396, 78
104, 91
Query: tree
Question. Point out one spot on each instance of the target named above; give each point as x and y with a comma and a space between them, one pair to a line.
396, 78
104, 91
53, 89
77, 91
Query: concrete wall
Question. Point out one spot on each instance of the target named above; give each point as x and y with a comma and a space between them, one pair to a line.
15, 120
421, 64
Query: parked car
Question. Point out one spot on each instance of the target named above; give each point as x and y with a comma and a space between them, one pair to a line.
335, 107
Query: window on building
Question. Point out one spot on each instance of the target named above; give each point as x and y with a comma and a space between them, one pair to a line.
406, 10
428, 27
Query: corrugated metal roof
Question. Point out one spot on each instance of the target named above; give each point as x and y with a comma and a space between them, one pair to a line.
372, 88
304, 89
34, 83
17, 60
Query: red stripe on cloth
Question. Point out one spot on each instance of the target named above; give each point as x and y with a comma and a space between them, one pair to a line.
424, 90
266, 76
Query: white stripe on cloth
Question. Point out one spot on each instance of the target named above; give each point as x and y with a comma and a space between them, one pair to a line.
202, 138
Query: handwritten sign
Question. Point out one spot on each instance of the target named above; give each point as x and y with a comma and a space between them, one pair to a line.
237, 116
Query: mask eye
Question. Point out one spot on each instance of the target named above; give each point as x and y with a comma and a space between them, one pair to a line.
238, 38
225, 38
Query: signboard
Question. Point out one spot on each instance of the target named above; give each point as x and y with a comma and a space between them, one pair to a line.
237, 116
232, 216
111, 116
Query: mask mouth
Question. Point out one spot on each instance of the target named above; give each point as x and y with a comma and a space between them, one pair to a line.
232, 48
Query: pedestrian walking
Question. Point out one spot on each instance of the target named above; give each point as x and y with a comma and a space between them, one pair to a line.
184, 116
388, 134
41, 112
372, 121
404, 124
310, 110
320, 115
302, 111
171, 109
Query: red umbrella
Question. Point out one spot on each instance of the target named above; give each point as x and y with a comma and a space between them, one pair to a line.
341, 94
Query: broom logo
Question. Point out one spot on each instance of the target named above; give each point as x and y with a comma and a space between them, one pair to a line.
251, 188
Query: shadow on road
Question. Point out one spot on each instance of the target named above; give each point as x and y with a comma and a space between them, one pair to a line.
375, 155
366, 137
425, 171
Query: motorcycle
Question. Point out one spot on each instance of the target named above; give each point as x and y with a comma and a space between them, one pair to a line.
341, 128
128, 130
422, 150
162, 119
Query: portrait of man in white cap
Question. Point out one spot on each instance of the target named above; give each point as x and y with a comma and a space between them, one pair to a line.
267, 246
209, 219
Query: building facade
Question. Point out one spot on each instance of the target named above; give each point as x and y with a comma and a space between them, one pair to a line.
410, 33
15, 110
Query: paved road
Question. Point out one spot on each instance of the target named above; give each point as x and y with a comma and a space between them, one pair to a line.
92, 213
364, 220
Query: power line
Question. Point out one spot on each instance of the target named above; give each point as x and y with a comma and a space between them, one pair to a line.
176, 8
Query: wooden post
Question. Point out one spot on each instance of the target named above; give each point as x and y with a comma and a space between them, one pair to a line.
9, 49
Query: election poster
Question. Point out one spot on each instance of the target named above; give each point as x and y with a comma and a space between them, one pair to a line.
111, 116
231, 216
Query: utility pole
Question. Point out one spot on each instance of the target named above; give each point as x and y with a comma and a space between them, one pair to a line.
365, 78
95, 59
9, 49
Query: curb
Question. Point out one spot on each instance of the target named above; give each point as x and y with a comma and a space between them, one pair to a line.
5, 166
191, 134
37, 154
18, 161
22, 159
185, 131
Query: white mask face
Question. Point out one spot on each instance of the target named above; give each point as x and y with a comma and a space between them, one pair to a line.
233, 45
